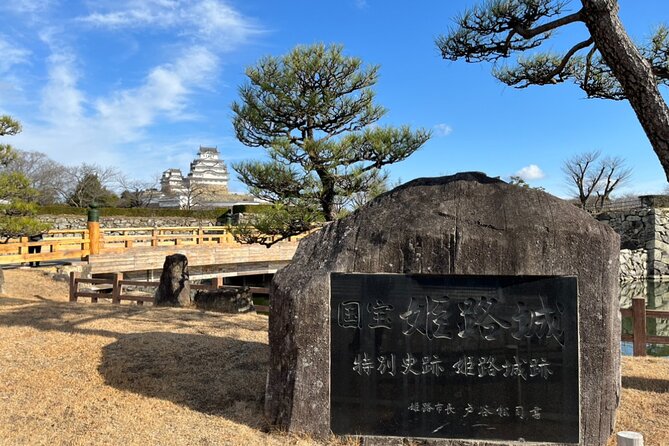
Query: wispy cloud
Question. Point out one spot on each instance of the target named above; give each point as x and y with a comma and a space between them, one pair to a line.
74, 124
213, 21
361, 4
531, 172
164, 92
12, 54
62, 102
26, 6
443, 129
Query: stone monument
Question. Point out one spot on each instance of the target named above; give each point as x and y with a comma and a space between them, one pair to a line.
459, 308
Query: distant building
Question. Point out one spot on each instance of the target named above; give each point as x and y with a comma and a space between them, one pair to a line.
172, 181
205, 186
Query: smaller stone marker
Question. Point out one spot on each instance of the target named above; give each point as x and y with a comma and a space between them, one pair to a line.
627, 438
174, 288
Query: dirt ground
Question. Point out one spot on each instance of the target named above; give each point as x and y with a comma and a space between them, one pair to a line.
97, 374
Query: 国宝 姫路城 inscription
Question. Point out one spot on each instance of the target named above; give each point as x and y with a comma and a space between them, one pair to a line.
476, 357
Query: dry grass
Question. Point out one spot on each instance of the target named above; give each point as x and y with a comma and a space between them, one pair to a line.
84, 374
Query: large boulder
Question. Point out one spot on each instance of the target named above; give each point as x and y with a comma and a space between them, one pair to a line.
465, 224
225, 300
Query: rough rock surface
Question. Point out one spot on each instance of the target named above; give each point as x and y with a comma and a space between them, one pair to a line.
174, 288
225, 300
467, 223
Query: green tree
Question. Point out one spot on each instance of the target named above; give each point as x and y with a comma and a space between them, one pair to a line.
605, 64
517, 180
313, 111
16, 207
89, 189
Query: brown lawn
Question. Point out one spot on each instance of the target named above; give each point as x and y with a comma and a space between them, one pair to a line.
97, 374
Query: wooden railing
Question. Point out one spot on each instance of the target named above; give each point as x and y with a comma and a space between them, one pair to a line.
76, 244
56, 245
640, 336
114, 289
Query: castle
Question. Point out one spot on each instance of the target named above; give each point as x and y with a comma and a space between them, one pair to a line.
205, 186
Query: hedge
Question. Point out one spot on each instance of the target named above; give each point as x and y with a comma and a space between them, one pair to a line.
209, 214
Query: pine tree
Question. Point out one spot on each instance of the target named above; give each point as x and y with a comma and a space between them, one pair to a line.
313, 111
17, 207
605, 64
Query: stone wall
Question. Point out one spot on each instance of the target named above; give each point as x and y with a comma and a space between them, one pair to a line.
79, 221
644, 240
633, 264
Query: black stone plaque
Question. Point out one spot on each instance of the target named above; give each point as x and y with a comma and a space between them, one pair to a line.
467, 357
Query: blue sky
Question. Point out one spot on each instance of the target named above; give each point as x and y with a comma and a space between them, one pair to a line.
140, 84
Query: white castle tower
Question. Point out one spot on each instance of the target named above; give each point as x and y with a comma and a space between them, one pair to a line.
206, 185
208, 170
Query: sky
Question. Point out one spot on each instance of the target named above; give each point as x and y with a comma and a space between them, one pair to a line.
140, 84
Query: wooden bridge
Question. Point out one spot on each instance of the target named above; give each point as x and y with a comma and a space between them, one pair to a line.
107, 250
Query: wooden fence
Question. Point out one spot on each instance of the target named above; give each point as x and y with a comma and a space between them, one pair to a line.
77, 243
114, 288
639, 336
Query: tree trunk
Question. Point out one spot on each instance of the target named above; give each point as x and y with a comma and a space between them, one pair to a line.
174, 288
632, 71
327, 195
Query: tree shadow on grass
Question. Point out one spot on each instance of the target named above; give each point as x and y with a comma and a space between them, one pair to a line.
86, 318
646, 384
214, 375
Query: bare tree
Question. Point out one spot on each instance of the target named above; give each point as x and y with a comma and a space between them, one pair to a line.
45, 175
138, 193
188, 196
593, 179
194, 195
88, 183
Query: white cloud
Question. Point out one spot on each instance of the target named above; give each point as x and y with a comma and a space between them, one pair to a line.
62, 101
443, 129
108, 127
531, 172
361, 4
211, 21
164, 92
11, 55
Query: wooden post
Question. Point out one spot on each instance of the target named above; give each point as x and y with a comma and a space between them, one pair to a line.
200, 236
639, 324
627, 438
94, 236
94, 229
23, 247
218, 282
116, 288
154, 237
73, 286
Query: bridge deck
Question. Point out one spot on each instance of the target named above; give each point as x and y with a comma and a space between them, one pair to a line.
229, 259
